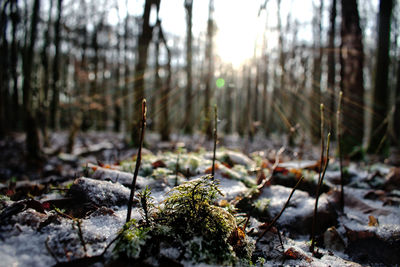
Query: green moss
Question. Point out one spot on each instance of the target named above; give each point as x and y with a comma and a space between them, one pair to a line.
132, 239
189, 221
161, 173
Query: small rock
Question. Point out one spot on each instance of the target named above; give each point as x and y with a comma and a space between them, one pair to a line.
333, 240
392, 180
121, 177
101, 193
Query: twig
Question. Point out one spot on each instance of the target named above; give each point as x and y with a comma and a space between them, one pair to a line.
215, 140
283, 208
280, 240
62, 214
109, 244
138, 160
78, 222
317, 196
49, 250
322, 142
339, 138
246, 222
276, 163
177, 168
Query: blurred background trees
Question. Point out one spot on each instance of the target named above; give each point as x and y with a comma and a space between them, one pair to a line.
87, 64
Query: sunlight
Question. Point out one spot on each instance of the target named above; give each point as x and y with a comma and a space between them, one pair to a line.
237, 29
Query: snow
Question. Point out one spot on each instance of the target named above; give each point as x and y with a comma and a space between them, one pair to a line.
100, 192
24, 249
231, 188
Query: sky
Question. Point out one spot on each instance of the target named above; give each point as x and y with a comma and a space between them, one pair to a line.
237, 21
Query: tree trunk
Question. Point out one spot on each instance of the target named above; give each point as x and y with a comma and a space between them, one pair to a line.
44, 101
248, 109
15, 118
188, 125
157, 84
140, 68
54, 112
209, 71
331, 70
229, 107
264, 103
94, 94
117, 88
32, 135
165, 91
381, 89
125, 102
279, 90
316, 83
4, 77
396, 119
352, 61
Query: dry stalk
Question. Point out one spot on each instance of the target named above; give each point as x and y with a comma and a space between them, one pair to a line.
339, 137
282, 210
317, 196
215, 140
138, 160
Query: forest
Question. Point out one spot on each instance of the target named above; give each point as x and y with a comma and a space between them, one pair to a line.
188, 132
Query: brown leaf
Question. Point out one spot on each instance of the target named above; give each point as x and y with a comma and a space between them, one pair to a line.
158, 164
373, 221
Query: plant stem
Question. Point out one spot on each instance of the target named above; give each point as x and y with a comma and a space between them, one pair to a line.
177, 168
339, 137
283, 208
138, 160
215, 140
317, 196
322, 141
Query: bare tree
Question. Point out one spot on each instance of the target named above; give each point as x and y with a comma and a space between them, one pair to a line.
4, 65
43, 105
381, 89
15, 19
352, 61
396, 118
56, 69
32, 135
331, 51
189, 81
209, 71
165, 124
316, 83
144, 40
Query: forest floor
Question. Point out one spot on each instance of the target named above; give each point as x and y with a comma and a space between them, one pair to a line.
70, 209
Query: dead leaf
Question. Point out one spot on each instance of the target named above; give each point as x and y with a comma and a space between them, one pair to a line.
209, 169
158, 164
373, 221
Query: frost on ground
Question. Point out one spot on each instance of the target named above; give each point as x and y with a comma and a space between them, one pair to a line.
72, 219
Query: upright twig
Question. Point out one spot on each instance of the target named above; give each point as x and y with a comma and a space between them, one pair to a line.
138, 160
280, 213
215, 140
50, 251
321, 163
339, 137
80, 234
177, 167
317, 196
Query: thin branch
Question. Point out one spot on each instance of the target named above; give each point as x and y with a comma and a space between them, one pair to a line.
215, 140
317, 196
283, 208
49, 250
339, 138
138, 160
78, 222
